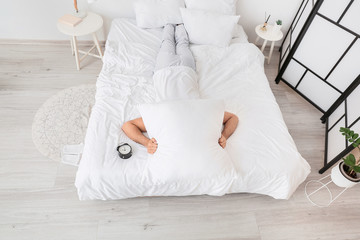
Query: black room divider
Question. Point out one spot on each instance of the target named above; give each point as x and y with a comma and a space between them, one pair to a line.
320, 60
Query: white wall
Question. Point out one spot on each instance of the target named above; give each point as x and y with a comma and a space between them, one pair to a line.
253, 13
32, 19
36, 19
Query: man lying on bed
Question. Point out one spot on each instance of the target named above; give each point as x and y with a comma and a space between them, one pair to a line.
134, 130
174, 51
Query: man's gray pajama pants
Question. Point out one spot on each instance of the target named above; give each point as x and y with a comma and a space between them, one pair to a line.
174, 50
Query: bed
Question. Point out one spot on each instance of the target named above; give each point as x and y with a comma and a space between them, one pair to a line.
263, 153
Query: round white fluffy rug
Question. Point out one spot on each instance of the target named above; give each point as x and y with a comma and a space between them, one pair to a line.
63, 120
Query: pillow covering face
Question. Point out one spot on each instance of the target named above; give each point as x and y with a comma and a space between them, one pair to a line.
157, 13
209, 28
218, 6
188, 152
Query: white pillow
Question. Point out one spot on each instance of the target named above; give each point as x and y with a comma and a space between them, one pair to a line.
188, 158
219, 6
239, 32
157, 13
208, 28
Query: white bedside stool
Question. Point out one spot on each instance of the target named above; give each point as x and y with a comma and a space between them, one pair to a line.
89, 25
268, 35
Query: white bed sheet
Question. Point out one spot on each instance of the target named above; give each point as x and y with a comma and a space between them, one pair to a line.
261, 148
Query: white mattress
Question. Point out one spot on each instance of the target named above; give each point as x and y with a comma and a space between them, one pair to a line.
261, 148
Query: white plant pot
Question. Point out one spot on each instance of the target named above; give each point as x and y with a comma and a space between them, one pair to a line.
276, 28
337, 176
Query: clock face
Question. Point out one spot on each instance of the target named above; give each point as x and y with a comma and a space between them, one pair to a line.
124, 149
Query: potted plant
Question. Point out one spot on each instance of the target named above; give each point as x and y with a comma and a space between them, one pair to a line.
278, 25
347, 172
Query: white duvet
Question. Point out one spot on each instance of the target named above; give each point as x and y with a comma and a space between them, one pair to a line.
262, 151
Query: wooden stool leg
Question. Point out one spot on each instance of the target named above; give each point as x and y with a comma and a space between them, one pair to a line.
72, 46
263, 46
96, 41
76, 53
271, 51
257, 39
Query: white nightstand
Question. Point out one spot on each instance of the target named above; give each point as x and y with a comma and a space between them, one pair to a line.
89, 25
268, 35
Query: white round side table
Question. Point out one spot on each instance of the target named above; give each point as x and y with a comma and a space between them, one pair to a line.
89, 25
268, 35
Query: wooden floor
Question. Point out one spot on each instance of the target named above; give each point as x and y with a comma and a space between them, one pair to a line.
38, 199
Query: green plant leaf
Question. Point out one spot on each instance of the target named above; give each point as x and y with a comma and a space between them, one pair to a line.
355, 145
350, 140
350, 160
351, 133
355, 136
356, 169
342, 129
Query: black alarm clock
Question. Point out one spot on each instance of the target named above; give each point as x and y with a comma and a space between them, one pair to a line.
124, 150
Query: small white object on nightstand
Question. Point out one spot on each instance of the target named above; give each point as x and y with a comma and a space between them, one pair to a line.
89, 25
269, 35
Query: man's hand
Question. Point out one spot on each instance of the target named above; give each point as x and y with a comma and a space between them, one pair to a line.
222, 141
151, 146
